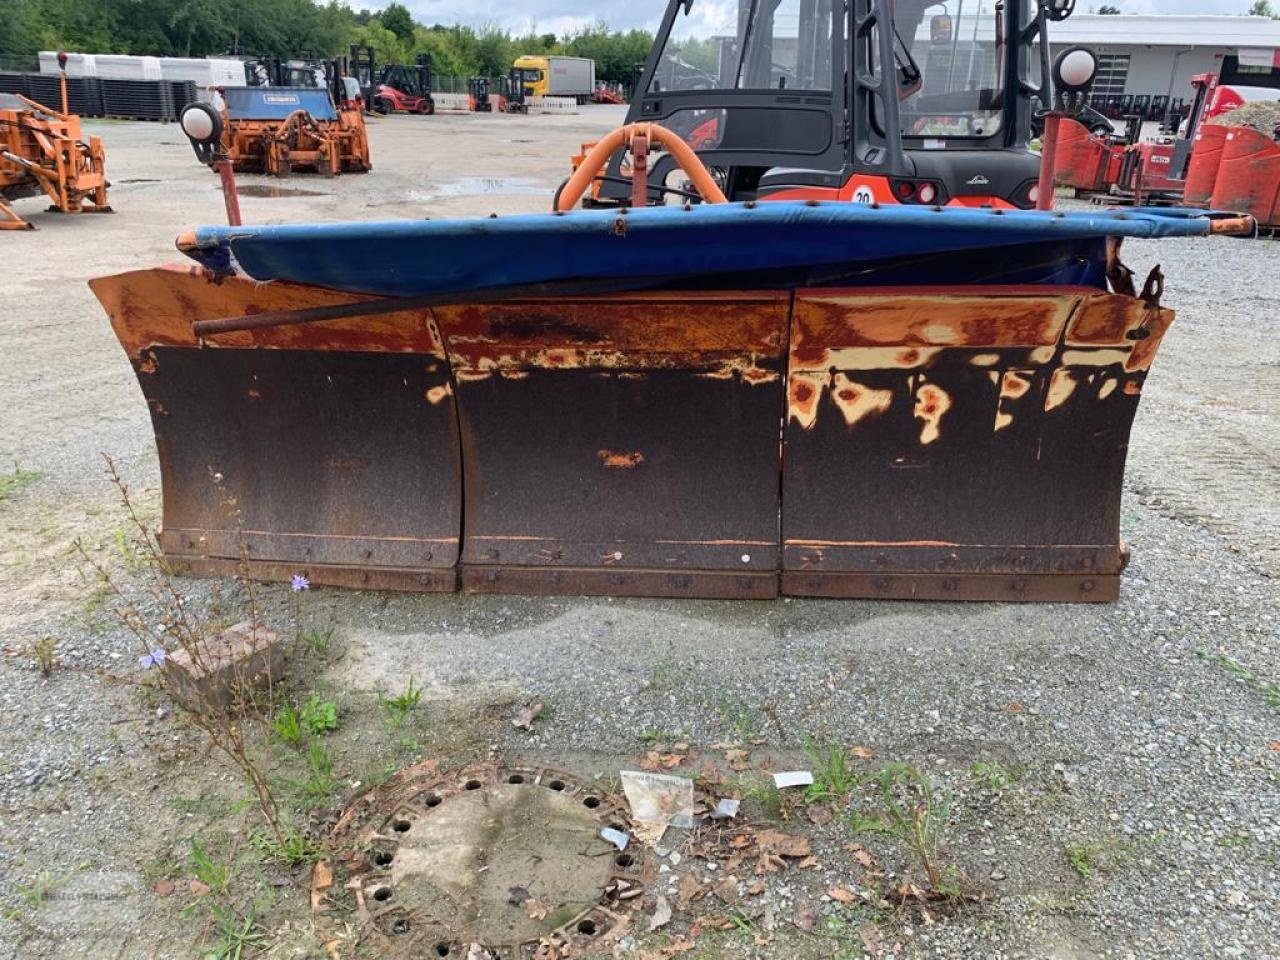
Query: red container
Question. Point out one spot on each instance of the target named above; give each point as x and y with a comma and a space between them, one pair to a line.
1081, 158
1202, 170
1249, 176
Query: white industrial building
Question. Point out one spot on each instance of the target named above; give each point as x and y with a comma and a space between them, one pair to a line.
1151, 58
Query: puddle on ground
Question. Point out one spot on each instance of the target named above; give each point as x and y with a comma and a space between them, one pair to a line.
479, 186
265, 190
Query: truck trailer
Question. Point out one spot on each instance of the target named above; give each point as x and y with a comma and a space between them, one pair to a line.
558, 77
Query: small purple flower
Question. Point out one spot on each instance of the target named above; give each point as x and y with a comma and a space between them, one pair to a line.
152, 659
299, 582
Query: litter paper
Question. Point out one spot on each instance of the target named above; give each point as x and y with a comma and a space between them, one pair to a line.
792, 778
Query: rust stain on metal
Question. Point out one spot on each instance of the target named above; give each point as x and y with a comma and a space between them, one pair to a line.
1013, 386
712, 334
857, 401
1102, 357
157, 307
804, 393
614, 460
987, 317
985, 359
1144, 351
932, 404
438, 394
1061, 385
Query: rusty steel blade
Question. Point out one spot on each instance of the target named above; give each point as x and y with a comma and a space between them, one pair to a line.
330, 450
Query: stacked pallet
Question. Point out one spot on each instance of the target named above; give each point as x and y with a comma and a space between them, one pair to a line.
138, 99
84, 94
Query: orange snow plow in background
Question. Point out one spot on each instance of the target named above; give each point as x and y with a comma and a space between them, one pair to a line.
43, 151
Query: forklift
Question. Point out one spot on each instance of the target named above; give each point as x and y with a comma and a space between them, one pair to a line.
402, 88
478, 87
874, 101
513, 92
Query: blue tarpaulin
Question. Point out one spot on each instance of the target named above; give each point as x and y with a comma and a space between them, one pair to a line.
422, 257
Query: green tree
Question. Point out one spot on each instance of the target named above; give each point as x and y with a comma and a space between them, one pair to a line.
398, 20
1107, 11
1263, 8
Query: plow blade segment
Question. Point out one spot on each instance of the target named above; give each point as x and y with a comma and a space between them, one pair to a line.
621, 445
946, 445
329, 449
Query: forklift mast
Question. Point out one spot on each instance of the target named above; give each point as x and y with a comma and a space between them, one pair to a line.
892, 101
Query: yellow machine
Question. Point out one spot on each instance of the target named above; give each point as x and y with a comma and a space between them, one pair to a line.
43, 151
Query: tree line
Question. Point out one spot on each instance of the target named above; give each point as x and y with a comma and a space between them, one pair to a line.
197, 28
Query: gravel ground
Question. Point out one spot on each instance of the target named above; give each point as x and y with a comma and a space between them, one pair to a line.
1140, 811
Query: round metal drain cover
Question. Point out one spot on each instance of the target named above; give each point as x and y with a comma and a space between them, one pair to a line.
507, 858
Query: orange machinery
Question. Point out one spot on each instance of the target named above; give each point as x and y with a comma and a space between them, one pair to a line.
279, 130
44, 151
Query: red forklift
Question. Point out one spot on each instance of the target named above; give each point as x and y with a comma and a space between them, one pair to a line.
870, 101
397, 87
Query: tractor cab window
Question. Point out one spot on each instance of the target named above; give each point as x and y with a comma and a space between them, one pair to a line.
755, 45
949, 66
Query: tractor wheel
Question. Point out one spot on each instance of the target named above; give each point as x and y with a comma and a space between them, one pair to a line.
382, 105
426, 107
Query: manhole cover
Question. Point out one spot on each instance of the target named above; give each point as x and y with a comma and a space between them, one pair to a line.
509, 858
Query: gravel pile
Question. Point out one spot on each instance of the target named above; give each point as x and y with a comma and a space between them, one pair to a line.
1262, 115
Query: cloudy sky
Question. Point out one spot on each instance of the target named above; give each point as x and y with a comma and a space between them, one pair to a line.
561, 16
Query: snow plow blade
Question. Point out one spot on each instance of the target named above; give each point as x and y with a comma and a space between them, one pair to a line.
330, 449
958, 443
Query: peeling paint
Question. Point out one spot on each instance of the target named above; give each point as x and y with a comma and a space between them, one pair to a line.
1107, 357
438, 394
1013, 386
1108, 387
614, 460
804, 392
1061, 386
866, 358
858, 401
932, 404
985, 359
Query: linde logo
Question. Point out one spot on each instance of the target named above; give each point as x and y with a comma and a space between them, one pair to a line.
280, 98
977, 180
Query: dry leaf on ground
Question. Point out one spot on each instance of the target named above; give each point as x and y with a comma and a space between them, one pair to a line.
806, 918
842, 895
523, 720
536, 909
655, 761
321, 880
820, 814
862, 753
783, 844
738, 759
661, 914
726, 890
688, 891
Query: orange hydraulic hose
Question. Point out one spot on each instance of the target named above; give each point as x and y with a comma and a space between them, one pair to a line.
595, 161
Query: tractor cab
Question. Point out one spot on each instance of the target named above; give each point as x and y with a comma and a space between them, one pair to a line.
884, 101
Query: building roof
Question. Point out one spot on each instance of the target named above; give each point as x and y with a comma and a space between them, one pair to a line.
1165, 30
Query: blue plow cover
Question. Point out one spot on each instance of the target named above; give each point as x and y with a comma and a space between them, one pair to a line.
276, 103
427, 257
